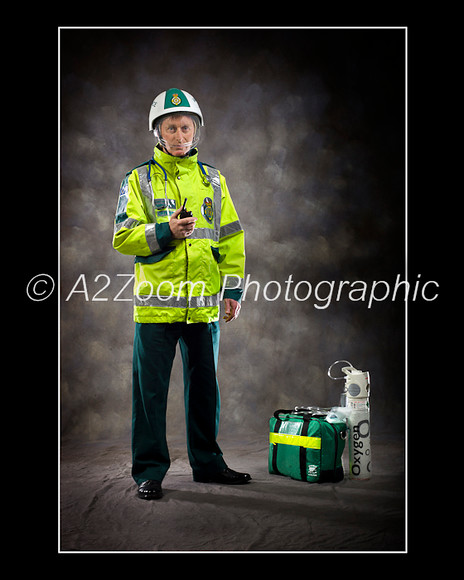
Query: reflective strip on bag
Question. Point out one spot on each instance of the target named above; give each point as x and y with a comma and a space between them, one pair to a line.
297, 440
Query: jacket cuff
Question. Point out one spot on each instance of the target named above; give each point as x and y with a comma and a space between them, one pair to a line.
234, 293
163, 234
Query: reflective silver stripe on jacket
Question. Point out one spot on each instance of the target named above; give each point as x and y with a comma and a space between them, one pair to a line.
177, 301
204, 234
150, 236
232, 282
215, 181
147, 192
229, 229
128, 223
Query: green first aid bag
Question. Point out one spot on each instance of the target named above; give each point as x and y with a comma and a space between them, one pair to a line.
304, 446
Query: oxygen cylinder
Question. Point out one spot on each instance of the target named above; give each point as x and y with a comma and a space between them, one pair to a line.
355, 398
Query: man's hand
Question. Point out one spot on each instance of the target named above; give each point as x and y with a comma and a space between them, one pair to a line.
232, 309
183, 228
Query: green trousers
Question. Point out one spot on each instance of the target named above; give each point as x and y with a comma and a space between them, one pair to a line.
154, 351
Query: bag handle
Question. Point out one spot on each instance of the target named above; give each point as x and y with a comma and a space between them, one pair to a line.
303, 411
313, 411
279, 411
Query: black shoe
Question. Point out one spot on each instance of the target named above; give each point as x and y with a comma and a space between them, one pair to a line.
150, 489
227, 477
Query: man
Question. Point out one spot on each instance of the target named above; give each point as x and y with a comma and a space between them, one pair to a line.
184, 264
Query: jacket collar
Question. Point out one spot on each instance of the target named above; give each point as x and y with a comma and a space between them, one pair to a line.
171, 163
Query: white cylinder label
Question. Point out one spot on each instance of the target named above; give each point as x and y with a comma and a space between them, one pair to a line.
360, 444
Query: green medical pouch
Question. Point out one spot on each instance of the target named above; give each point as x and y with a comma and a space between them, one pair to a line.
304, 446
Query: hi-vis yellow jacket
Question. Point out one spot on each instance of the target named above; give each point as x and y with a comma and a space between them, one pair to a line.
179, 280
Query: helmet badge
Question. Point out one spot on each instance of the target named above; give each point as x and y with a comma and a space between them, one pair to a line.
176, 100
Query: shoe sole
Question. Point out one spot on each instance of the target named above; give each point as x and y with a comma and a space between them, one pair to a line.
149, 496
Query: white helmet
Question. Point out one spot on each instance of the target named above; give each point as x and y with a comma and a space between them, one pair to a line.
173, 101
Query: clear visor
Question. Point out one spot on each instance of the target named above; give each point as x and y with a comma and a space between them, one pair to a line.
185, 146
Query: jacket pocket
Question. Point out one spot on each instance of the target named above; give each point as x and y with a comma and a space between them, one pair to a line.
217, 256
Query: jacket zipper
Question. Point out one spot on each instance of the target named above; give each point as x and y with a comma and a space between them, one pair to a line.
186, 278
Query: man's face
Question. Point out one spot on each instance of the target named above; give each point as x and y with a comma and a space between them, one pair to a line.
178, 132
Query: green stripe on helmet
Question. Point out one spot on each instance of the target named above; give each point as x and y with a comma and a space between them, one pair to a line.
175, 98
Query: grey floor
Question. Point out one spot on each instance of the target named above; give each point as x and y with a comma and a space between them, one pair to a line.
101, 512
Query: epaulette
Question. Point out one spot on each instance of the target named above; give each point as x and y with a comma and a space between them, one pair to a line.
137, 166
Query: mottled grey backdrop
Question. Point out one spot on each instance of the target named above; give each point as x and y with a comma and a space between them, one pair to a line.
308, 128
